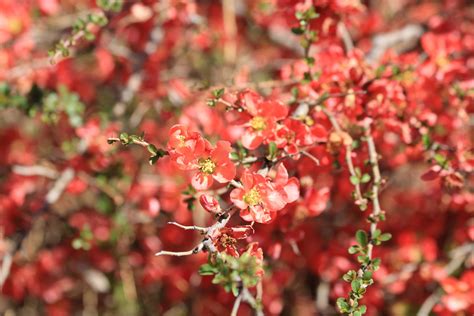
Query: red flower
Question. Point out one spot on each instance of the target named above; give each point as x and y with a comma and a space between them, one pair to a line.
192, 152
226, 238
289, 188
215, 165
210, 204
257, 199
264, 116
184, 146
292, 135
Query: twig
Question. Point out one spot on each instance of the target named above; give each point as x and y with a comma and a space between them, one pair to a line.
322, 295
248, 297
235, 309
133, 141
332, 119
198, 228
206, 243
60, 185
375, 186
36, 170
310, 156
6, 265
345, 36
230, 30
401, 40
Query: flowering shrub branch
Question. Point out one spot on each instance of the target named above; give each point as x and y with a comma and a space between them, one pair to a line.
260, 182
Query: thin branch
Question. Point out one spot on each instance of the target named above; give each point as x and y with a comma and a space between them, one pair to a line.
5, 269
345, 36
193, 251
206, 244
133, 141
322, 295
60, 185
310, 156
373, 158
256, 305
198, 228
236, 306
332, 119
230, 30
36, 170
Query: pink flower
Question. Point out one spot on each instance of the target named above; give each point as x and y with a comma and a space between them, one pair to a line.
214, 166
257, 199
210, 204
264, 116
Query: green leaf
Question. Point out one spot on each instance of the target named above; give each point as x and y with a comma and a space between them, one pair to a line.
355, 285
367, 275
440, 159
124, 138
207, 269
342, 304
77, 243
353, 249
376, 263
349, 276
365, 178
385, 237
426, 141
297, 30
218, 93
152, 149
361, 237
272, 150
354, 180
376, 233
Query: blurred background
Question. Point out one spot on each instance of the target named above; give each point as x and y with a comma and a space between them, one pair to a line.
81, 220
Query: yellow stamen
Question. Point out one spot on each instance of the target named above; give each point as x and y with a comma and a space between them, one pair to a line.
181, 139
258, 123
207, 166
252, 197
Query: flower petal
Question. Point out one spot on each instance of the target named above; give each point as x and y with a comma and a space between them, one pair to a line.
237, 197
201, 181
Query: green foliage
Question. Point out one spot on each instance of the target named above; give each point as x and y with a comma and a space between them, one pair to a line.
84, 239
49, 104
308, 36
361, 279
232, 273
272, 151
110, 5
217, 95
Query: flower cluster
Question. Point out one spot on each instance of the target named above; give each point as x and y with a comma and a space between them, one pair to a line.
192, 152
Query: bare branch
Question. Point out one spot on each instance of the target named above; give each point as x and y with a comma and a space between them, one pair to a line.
198, 228
235, 309
60, 185
345, 36
36, 170
373, 158
307, 154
